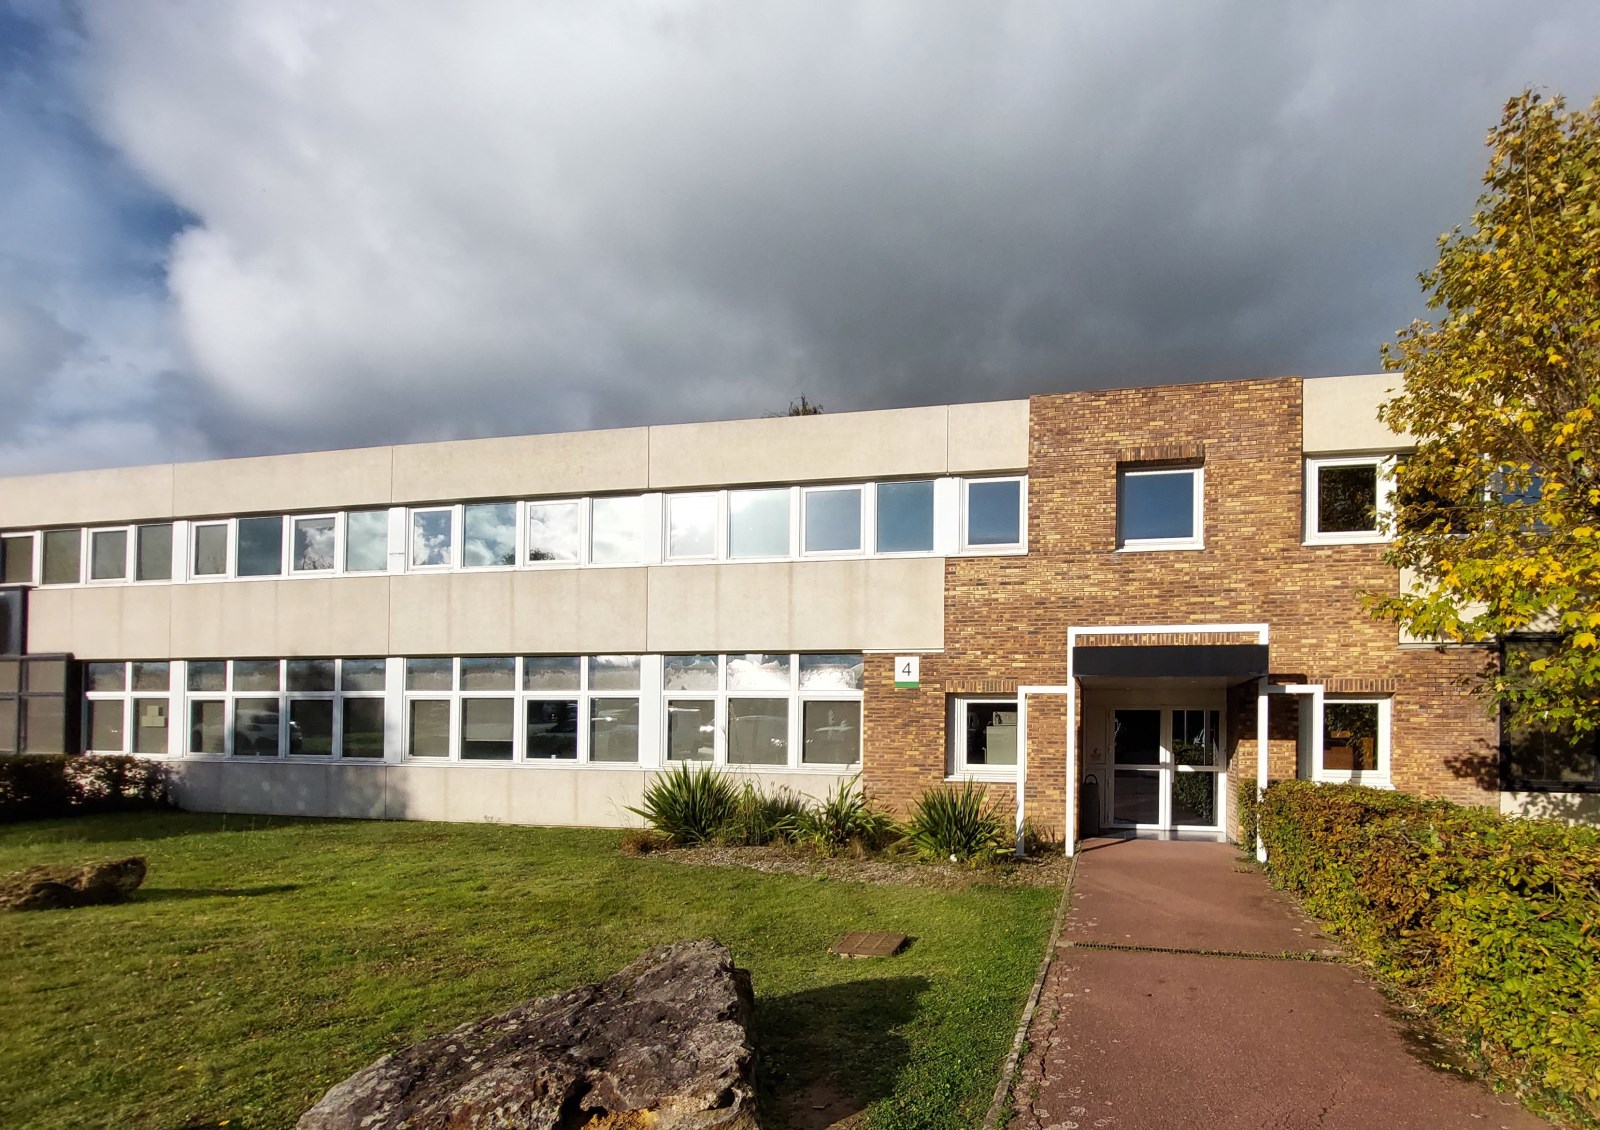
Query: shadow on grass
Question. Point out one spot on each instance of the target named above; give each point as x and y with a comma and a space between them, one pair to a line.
172, 894
829, 1053
158, 824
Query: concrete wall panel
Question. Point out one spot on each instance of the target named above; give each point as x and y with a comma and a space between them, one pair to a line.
124, 622
1575, 808
853, 445
125, 494
522, 466
333, 616
316, 480
988, 437
1341, 414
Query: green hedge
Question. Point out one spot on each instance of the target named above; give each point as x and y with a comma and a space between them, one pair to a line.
1493, 922
39, 786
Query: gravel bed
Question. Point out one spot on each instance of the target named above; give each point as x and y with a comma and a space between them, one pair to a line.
1039, 871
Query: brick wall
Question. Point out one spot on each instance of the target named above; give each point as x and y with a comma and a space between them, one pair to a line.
1006, 618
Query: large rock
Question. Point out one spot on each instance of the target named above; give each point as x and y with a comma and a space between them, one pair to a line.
56, 888
665, 1044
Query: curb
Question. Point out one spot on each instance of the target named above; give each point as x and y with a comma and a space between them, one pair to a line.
1008, 1072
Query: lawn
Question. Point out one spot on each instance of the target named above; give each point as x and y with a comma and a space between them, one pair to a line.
266, 959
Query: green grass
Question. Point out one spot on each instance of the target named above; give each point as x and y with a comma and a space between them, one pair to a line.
266, 959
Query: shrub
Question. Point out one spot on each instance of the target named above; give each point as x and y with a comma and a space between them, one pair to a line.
1493, 923
844, 820
760, 818
40, 786
958, 824
1248, 807
688, 804
640, 841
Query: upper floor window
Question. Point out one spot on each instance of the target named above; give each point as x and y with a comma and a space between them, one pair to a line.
1348, 500
904, 517
992, 513
758, 523
832, 520
16, 559
1160, 508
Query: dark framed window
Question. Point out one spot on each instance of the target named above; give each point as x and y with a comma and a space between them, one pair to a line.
1550, 759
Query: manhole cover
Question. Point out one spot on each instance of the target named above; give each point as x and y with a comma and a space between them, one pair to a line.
869, 943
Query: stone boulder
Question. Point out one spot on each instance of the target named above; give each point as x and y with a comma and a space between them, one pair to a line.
665, 1044
56, 888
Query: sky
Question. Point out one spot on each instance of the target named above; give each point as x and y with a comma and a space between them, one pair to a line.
241, 227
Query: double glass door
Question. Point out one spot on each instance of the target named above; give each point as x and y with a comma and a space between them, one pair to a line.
1167, 768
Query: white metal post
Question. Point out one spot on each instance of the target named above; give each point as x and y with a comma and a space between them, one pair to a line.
1261, 760
1022, 763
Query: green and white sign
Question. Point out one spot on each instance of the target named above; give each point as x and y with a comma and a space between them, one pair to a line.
908, 671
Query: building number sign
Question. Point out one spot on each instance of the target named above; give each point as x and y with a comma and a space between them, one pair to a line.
907, 670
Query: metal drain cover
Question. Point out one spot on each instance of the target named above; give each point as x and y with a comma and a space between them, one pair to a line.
869, 943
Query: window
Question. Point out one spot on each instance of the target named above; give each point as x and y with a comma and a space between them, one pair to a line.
210, 549
904, 518
1347, 500
432, 538
153, 552
1355, 741
620, 530
16, 559
312, 550
555, 532
108, 555
1551, 760
692, 526
758, 725
758, 523
832, 520
61, 557
983, 736
361, 686
992, 513
258, 548
311, 684
488, 534
1160, 509
366, 541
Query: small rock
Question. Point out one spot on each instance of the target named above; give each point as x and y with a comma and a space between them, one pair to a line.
57, 888
664, 1044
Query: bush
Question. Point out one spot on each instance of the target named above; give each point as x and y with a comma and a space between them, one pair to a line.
844, 820
1248, 807
41, 786
1493, 923
688, 804
760, 818
958, 824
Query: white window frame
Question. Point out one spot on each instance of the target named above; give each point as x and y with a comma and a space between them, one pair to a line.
191, 546
130, 540
790, 553
861, 494
993, 549
291, 522
176, 574
1146, 545
342, 567
83, 557
1383, 469
285, 536
957, 768
449, 566
128, 696
1311, 744
870, 502
652, 549
719, 529
526, 546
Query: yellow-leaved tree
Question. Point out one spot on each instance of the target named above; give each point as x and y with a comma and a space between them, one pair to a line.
1497, 513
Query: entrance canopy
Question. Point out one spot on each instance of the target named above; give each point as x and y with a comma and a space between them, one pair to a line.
1158, 661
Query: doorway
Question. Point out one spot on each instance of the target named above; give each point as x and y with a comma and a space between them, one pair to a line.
1167, 767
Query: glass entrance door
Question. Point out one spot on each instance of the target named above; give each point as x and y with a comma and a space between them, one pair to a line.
1166, 768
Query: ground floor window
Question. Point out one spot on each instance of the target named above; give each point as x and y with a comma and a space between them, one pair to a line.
1355, 741
769, 709
1550, 759
983, 735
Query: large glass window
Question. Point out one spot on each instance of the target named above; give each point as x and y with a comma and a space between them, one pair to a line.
259, 547
830, 733
554, 531
311, 727
905, 517
621, 529
552, 730
61, 557
363, 727
984, 735
758, 731
1346, 499
833, 520
366, 541
313, 548
154, 552
692, 526
210, 549
689, 673
108, 555
429, 728
486, 725
1551, 759
106, 725
1355, 740
489, 534
614, 729
691, 729
208, 726
16, 559
758, 523
1159, 509
431, 538
993, 512
150, 725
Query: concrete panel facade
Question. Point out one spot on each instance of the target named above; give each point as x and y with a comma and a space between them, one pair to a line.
127, 494
316, 480
522, 466
986, 437
1341, 414
122, 620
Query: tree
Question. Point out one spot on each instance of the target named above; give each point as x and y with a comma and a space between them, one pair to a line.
1498, 511
804, 407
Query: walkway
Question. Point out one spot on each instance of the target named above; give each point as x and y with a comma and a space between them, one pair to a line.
1130, 1035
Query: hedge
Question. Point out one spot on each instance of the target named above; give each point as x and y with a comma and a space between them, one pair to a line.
1493, 922
39, 786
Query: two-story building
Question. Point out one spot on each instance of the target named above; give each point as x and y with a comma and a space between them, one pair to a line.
525, 629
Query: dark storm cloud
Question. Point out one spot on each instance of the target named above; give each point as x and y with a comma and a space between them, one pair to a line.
533, 218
